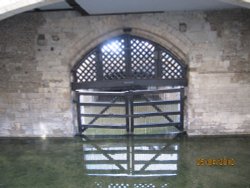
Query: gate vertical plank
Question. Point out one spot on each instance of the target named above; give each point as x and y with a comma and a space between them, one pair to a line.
79, 121
127, 113
131, 99
128, 56
182, 108
99, 65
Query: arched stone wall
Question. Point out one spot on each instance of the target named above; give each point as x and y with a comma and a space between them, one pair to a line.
38, 51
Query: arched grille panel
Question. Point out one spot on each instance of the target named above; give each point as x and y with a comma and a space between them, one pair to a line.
113, 60
128, 61
171, 68
86, 71
143, 62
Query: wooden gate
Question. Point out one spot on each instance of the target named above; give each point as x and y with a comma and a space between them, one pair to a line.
136, 109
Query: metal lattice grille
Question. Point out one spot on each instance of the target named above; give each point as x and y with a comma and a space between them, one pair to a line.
142, 59
113, 60
171, 69
86, 72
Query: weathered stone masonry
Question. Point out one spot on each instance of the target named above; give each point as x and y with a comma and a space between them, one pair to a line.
38, 50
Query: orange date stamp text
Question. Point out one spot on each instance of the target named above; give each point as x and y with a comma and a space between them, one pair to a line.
215, 162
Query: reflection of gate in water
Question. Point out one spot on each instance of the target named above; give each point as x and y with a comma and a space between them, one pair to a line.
130, 158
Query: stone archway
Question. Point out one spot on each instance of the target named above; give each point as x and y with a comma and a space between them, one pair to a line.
129, 63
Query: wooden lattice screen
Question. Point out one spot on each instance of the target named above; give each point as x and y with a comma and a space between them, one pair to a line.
126, 61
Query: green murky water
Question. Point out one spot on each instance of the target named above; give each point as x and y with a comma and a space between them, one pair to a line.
125, 162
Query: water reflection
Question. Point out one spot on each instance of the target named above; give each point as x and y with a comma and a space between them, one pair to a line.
130, 157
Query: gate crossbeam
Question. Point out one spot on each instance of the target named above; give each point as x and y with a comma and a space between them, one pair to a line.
158, 109
104, 110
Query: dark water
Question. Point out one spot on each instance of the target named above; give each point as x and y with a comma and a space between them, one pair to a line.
125, 162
